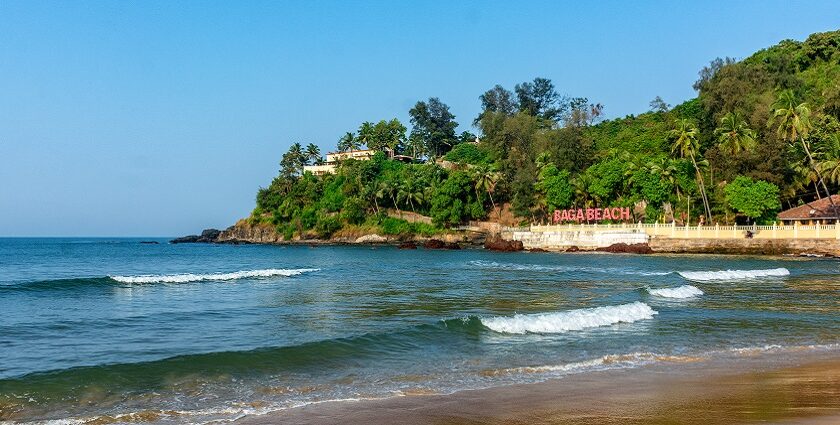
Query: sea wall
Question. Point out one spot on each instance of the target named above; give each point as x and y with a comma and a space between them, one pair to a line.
746, 246
584, 239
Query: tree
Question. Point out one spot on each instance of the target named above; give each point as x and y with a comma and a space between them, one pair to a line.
486, 178
659, 105
433, 124
540, 99
684, 137
348, 142
794, 124
556, 185
582, 113
756, 199
498, 99
293, 161
313, 154
734, 135
829, 162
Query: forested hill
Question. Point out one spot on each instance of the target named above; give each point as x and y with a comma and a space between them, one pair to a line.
762, 134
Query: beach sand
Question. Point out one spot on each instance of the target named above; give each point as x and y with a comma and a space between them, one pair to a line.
802, 391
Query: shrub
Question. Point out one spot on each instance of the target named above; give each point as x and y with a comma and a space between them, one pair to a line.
466, 153
327, 225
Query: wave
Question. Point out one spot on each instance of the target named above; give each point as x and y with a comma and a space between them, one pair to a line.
571, 320
190, 277
555, 268
703, 276
685, 291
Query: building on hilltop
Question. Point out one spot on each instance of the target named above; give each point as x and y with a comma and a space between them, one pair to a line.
813, 212
333, 158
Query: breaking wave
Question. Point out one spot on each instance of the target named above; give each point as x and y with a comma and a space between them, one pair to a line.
558, 268
572, 320
704, 276
190, 277
685, 291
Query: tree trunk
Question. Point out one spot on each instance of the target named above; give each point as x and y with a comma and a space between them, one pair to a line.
702, 190
819, 176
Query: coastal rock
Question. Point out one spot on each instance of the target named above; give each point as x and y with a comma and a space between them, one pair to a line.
207, 236
439, 244
496, 243
537, 250
372, 238
572, 248
636, 248
407, 245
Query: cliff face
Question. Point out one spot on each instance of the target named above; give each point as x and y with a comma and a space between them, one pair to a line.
249, 233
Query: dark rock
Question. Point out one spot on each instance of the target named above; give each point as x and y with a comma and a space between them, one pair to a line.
496, 243
451, 245
433, 244
149, 242
537, 250
636, 248
407, 245
207, 236
573, 248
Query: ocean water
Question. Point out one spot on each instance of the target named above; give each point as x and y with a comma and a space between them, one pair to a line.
114, 330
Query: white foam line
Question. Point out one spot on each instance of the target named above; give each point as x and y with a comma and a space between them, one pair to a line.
571, 320
190, 277
682, 292
703, 276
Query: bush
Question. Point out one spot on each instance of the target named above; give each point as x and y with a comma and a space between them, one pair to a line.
756, 199
398, 227
353, 211
466, 153
327, 225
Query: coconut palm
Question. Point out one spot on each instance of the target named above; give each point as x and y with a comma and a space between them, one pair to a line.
829, 162
734, 134
313, 154
685, 144
485, 180
667, 172
348, 142
388, 189
794, 124
409, 191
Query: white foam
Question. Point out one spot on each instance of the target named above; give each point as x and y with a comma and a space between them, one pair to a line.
685, 291
733, 274
571, 320
562, 269
190, 277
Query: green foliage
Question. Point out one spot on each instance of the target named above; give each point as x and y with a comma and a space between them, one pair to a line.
556, 186
327, 225
454, 201
466, 153
606, 178
756, 199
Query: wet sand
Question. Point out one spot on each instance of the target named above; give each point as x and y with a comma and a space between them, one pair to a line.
802, 391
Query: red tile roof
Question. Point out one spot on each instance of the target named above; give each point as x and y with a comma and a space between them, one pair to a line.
817, 210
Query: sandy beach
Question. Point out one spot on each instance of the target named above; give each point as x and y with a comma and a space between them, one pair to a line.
801, 391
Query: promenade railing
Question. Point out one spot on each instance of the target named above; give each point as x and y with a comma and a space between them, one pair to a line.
716, 231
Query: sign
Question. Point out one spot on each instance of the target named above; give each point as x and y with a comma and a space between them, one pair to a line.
591, 214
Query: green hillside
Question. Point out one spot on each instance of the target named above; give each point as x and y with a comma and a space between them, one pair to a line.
739, 151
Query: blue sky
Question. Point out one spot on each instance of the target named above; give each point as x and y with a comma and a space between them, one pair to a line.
163, 118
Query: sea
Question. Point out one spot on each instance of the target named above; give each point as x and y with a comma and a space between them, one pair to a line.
122, 330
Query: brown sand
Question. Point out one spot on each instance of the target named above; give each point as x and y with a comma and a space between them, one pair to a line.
701, 393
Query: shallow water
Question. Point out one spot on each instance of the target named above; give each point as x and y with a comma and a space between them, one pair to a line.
113, 329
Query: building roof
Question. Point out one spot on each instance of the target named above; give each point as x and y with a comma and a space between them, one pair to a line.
817, 210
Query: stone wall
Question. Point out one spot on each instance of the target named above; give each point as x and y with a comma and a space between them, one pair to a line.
747, 246
584, 239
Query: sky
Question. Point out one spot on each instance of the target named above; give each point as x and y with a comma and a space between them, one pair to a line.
162, 118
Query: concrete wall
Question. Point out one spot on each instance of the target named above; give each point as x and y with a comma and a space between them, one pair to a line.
584, 239
747, 246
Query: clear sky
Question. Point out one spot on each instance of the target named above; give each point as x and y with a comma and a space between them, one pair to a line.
163, 118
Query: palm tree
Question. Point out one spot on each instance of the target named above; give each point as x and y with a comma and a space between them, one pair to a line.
297, 156
409, 191
387, 189
794, 124
734, 135
348, 142
667, 172
685, 144
485, 180
313, 154
829, 162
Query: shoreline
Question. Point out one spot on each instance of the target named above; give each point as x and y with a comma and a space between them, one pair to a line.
802, 389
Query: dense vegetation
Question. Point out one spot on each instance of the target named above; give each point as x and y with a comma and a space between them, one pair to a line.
762, 134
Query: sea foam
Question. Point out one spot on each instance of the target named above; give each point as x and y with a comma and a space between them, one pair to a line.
571, 320
685, 291
190, 277
733, 274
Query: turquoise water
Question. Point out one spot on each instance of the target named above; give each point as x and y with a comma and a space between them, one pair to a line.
192, 333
